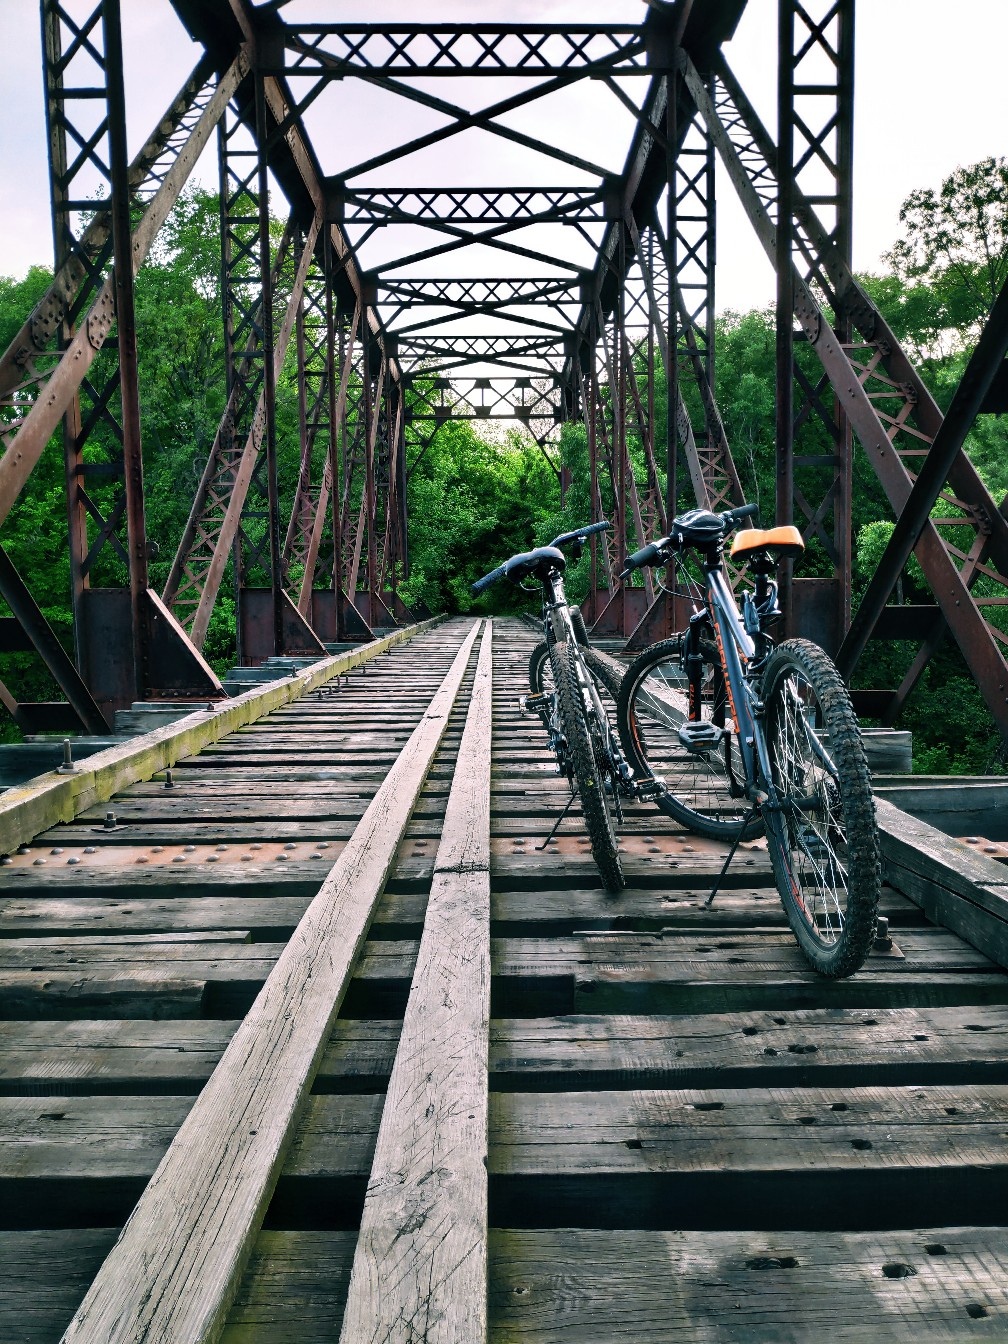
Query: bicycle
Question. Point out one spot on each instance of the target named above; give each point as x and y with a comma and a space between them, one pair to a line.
748, 737
565, 676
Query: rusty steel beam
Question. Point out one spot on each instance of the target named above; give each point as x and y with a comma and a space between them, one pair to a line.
531, 50
202, 556
26, 611
967, 403
31, 435
517, 206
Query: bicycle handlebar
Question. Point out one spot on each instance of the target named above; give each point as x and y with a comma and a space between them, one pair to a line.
733, 516
487, 581
654, 554
564, 539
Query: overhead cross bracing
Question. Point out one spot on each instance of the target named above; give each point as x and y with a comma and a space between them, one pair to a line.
555, 278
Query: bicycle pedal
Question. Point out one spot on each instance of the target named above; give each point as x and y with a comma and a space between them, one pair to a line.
700, 737
647, 787
533, 704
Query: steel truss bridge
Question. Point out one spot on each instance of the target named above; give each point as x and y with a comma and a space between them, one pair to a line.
595, 293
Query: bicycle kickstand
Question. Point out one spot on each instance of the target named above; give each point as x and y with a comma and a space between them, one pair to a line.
567, 807
749, 816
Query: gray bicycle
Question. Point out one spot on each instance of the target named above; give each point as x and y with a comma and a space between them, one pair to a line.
574, 694
748, 738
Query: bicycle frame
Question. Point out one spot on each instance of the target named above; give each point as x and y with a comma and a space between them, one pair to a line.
742, 653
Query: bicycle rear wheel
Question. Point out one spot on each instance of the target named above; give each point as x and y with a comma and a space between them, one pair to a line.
703, 784
586, 744
823, 842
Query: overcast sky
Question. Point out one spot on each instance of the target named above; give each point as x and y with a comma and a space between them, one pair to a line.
931, 94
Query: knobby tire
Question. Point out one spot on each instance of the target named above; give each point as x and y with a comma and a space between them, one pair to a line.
823, 844
594, 804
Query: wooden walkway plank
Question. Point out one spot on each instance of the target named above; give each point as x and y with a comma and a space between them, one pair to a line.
175, 1268
419, 1270
28, 809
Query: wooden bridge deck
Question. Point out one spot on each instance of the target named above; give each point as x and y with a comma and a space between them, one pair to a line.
602, 1117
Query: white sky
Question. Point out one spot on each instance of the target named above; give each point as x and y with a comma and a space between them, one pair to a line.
931, 93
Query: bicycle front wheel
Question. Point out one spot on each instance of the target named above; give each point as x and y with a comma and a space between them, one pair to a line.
823, 841
586, 744
703, 782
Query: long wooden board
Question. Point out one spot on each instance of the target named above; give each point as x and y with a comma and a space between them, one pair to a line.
177, 1264
419, 1269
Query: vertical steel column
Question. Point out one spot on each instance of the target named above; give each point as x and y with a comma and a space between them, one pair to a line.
588, 402
620, 402
371, 412
104, 488
842, 538
65, 249
241, 390
672, 271
784, 511
337, 430
269, 379
815, 119
136, 529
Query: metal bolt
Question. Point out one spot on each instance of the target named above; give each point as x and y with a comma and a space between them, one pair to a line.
883, 942
110, 821
68, 767
169, 781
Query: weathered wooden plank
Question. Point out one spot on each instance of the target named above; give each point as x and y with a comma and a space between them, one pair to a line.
272, 918
94, 1057
827, 1158
419, 1269
294, 1289
177, 1265
129, 991
36, 1303
815, 1158
813, 1047
569, 1286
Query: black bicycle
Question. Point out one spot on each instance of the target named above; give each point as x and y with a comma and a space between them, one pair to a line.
747, 737
569, 683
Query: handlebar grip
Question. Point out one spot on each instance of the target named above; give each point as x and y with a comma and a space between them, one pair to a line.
733, 516
487, 581
647, 555
603, 526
